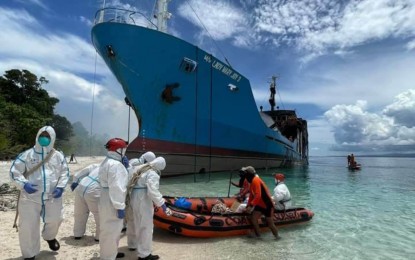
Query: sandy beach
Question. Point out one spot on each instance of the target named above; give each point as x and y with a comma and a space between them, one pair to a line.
165, 244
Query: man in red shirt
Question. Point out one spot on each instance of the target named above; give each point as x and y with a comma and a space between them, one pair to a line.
259, 202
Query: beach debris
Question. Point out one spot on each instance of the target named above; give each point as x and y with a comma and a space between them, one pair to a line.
8, 197
221, 208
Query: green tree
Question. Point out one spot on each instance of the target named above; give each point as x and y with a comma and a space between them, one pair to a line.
63, 129
25, 108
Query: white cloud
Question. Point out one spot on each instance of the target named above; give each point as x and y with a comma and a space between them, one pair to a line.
222, 19
375, 78
86, 21
34, 2
402, 110
23, 37
317, 26
71, 65
354, 126
410, 45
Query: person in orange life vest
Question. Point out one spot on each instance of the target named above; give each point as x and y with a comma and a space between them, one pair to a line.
259, 202
243, 194
243, 184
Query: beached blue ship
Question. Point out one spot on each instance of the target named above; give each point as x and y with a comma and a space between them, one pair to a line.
192, 108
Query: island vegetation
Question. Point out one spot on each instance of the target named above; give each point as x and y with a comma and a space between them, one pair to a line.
26, 107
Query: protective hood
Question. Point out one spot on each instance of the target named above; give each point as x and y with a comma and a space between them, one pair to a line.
135, 162
250, 173
52, 134
159, 164
114, 155
147, 157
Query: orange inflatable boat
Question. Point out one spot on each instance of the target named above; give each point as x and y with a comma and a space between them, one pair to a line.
197, 219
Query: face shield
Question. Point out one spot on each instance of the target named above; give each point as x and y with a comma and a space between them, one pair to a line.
121, 151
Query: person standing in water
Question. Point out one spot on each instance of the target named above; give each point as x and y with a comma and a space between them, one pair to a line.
259, 202
282, 196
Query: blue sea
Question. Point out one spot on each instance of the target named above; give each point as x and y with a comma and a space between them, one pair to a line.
365, 214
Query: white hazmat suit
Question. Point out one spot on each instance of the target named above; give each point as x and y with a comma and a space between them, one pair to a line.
135, 165
87, 194
43, 203
113, 181
145, 194
282, 196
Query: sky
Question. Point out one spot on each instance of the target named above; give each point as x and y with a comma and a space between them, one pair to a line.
347, 67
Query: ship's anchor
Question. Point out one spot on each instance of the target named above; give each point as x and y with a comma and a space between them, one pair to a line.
167, 94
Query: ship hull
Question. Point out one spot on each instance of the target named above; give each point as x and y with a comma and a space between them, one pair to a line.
192, 109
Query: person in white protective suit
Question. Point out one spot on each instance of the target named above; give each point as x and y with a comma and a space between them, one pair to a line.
135, 165
41, 174
281, 196
113, 178
141, 199
87, 192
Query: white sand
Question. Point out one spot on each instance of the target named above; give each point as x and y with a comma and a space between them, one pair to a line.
165, 244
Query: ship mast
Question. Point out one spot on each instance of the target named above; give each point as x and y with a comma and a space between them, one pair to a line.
162, 15
272, 89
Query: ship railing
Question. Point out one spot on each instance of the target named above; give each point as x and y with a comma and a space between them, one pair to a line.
119, 15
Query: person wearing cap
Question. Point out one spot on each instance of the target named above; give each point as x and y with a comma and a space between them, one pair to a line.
243, 194
259, 202
243, 184
282, 196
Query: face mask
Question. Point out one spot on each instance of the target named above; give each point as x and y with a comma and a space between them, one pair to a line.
44, 141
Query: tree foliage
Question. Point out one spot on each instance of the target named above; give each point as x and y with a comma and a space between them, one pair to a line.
26, 107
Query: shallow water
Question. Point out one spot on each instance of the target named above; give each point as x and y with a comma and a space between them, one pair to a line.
366, 214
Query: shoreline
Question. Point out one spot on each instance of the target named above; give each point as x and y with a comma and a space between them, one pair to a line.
165, 244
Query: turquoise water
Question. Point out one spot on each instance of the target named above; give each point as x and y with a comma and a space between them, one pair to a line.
366, 214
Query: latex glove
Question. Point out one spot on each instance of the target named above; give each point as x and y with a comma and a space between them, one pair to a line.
125, 161
166, 210
29, 188
57, 193
120, 213
74, 185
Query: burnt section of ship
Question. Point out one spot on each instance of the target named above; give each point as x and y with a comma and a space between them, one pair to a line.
287, 123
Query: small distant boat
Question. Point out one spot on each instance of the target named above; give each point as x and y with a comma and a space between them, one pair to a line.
355, 167
199, 221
